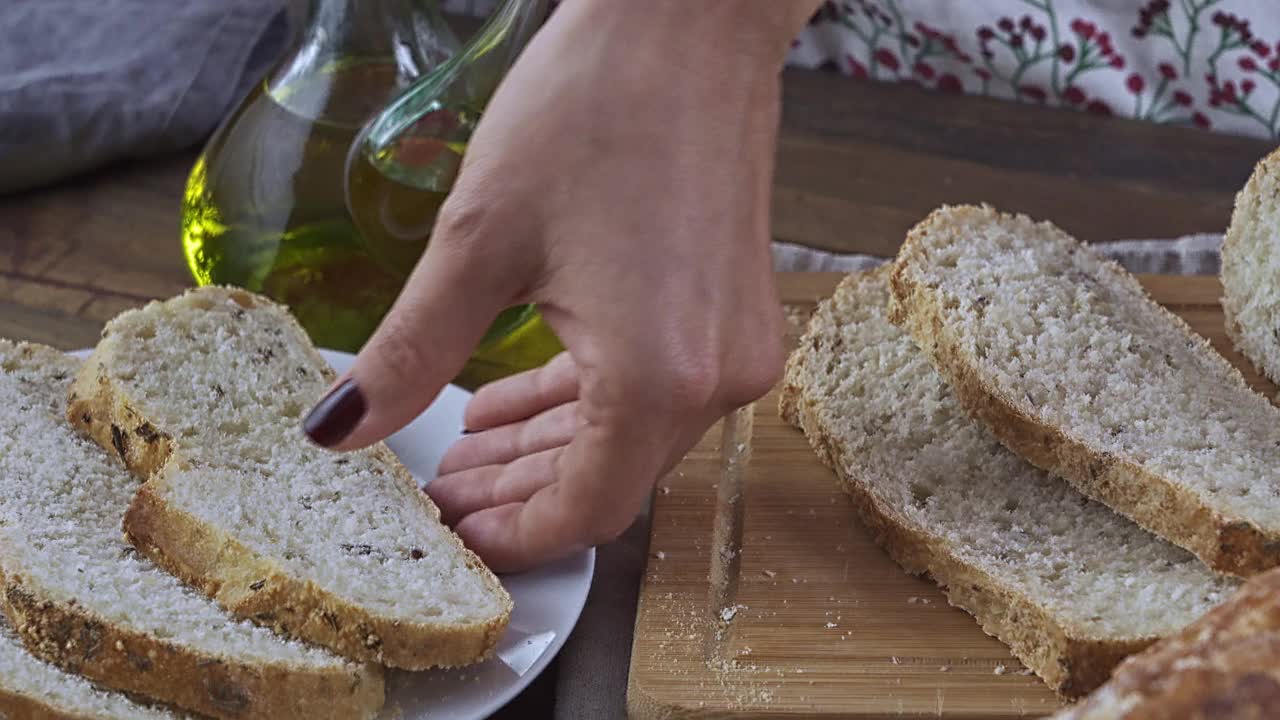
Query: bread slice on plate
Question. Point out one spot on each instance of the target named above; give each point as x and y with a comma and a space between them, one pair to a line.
202, 395
1069, 362
1224, 665
1070, 586
1251, 269
81, 598
31, 688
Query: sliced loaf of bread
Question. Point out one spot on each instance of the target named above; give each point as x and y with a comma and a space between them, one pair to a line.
201, 395
1251, 269
1069, 362
1069, 585
80, 597
32, 688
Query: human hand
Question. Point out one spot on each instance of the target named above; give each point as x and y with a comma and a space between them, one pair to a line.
627, 194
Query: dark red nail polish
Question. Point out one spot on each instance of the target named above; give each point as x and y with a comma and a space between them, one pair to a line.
334, 417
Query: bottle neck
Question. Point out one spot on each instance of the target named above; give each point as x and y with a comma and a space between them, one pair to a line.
352, 56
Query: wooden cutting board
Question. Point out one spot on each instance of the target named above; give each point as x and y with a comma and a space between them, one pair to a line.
763, 597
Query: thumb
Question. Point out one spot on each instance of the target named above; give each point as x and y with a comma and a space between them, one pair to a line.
449, 301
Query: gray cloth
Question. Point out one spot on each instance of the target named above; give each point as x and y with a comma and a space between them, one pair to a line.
83, 83
595, 661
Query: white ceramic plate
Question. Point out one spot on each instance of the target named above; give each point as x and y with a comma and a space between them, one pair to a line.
547, 601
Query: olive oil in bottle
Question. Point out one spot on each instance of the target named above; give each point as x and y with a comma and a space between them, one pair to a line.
265, 209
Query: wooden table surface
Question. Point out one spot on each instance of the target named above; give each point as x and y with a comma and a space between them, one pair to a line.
858, 163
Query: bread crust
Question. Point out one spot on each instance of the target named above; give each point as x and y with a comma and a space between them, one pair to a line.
1228, 545
255, 586
1224, 665
1069, 662
24, 707
78, 641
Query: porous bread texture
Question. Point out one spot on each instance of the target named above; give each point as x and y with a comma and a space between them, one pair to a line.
1224, 665
202, 395
1069, 362
1070, 586
32, 688
81, 597
1251, 269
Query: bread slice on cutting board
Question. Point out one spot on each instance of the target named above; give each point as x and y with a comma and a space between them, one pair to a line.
202, 395
1251, 269
80, 597
32, 688
1069, 585
1224, 665
1069, 362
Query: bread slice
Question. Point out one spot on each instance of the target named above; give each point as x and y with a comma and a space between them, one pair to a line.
1224, 665
31, 688
1069, 585
81, 598
1251, 269
1065, 357
202, 395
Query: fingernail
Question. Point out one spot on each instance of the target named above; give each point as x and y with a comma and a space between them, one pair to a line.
334, 417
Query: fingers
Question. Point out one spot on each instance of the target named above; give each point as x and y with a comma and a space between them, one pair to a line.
451, 297
501, 445
599, 484
463, 493
522, 396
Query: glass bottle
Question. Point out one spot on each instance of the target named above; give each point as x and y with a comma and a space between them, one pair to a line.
404, 163
265, 204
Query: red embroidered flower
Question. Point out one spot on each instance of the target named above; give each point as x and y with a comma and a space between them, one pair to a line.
1182, 98
1067, 53
856, 69
1073, 95
924, 70
1200, 120
1247, 87
1097, 107
1260, 48
950, 83
1135, 83
1038, 32
1168, 71
1033, 92
1274, 64
982, 73
986, 33
1248, 65
1005, 24
1083, 28
885, 57
1117, 62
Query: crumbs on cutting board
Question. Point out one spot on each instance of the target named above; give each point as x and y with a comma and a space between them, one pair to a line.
913, 600
999, 670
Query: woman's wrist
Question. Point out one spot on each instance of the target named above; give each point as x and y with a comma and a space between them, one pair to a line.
755, 34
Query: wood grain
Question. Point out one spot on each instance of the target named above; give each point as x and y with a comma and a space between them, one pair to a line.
763, 597
859, 163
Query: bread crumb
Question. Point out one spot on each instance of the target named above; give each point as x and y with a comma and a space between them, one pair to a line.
999, 670
665, 490
728, 613
660, 555
944, 668
893, 659
831, 625
768, 573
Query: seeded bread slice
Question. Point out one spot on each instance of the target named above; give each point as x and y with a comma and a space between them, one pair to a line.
1069, 362
1251, 269
32, 688
202, 395
1224, 665
1070, 586
82, 599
